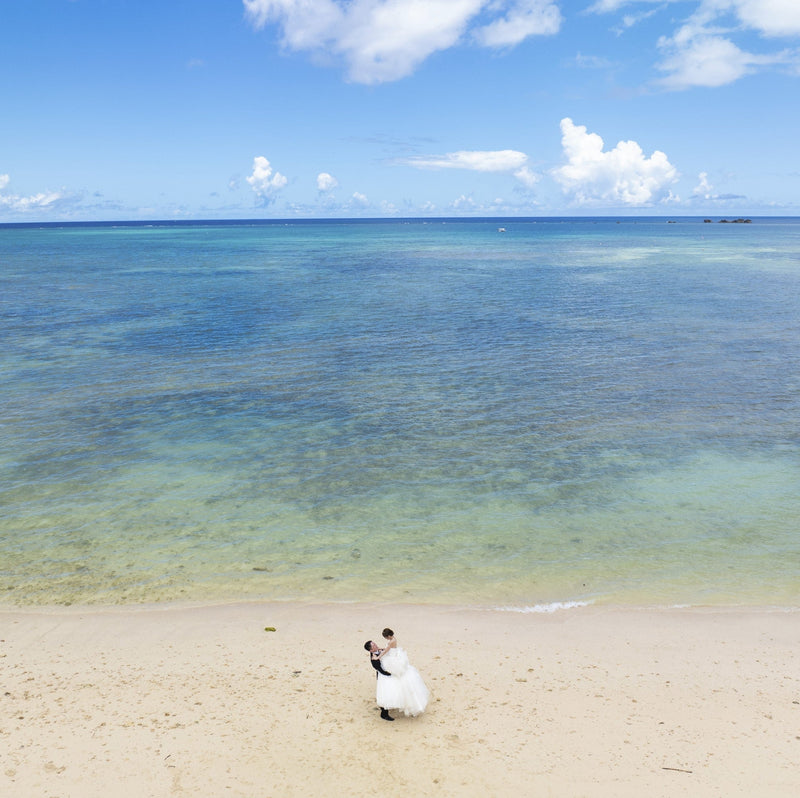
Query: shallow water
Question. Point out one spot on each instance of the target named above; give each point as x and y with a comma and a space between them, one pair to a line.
573, 410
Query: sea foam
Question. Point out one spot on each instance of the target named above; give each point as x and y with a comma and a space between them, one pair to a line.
554, 606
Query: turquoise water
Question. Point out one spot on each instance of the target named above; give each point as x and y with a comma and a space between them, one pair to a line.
572, 410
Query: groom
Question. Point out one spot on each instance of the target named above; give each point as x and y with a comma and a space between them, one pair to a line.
376, 663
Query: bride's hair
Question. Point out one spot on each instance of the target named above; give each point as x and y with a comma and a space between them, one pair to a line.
387, 633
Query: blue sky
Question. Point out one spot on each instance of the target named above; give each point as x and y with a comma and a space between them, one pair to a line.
170, 109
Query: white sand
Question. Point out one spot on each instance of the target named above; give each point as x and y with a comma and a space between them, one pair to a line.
587, 702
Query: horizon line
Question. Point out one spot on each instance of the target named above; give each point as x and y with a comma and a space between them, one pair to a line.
705, 218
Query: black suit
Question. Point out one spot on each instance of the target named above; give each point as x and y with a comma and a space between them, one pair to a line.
376, 663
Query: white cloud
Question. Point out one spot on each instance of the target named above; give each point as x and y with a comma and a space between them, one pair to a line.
622, 176
704, 61
704, 51
474, 160
263, 181
359, 200
379, 40
525, 176
383, 40
525, 18
44, 199
770, 17
695, 58
511, 161
703, 188
326, 182
629, 20
592, 61
464, 203
608, 6
14, 202
705, 191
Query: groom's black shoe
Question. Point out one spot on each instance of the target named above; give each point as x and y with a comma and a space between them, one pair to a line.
385, 714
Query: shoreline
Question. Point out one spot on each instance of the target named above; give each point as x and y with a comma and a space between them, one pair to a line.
296, 609
596, 700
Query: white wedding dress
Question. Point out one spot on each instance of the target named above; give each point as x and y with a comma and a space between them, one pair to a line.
404, 689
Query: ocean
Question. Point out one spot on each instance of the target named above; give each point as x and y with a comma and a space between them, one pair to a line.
568, 411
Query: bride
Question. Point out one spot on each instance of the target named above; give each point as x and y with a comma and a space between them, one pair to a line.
413, 694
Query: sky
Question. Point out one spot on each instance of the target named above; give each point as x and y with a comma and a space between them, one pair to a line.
223, 109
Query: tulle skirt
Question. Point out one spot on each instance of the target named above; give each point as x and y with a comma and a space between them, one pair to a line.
388, 693
404, 689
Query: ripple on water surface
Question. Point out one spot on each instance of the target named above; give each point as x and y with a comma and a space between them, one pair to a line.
567, 413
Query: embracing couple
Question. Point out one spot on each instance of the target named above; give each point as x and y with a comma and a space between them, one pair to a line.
399, 684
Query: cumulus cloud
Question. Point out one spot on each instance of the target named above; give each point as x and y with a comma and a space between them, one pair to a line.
326, 182
464, 203
511, 161
20, 204
703, 188
622, 176
359, 200
383, 40
264, 182
527, 177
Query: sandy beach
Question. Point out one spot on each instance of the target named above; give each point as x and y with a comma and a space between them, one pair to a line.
203, 701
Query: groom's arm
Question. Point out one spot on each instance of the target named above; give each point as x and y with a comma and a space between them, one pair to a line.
376, 663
